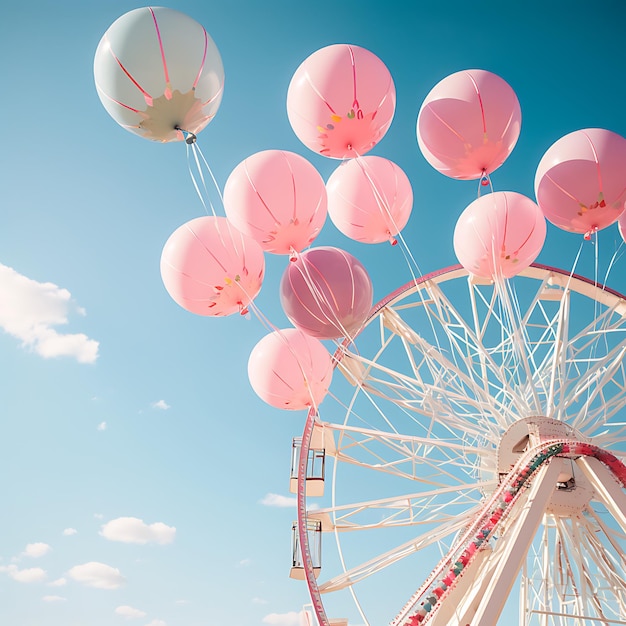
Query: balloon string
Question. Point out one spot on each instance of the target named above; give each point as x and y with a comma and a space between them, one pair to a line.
326, 308
409, 259
196, 187
197, 150
200, 162
616, 256
199, 168
381, 202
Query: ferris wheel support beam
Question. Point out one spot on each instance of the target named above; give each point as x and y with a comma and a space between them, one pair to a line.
484, 602
608, 490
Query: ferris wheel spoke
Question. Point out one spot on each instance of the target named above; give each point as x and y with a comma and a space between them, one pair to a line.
481, 362
434, 507
600, 374
435, 387
429, 405
368, 568
406, 457
591, 560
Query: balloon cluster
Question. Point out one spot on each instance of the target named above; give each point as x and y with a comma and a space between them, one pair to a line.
159, 75
468, 125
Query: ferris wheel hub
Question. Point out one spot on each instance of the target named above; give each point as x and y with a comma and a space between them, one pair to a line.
573, 491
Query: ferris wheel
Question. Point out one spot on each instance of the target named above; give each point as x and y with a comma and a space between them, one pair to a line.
471, 457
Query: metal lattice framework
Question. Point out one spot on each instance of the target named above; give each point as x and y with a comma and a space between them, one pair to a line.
449, 391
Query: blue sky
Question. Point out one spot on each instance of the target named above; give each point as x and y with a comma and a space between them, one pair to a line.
142, 480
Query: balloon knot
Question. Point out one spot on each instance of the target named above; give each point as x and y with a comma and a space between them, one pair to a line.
190, 138
393, 241
590, 232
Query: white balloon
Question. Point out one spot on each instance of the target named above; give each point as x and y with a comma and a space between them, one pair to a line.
157, 71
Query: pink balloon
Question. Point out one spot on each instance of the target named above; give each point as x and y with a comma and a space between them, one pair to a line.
278, 198
209, 268
621, 225
341, 101
469, 124
369, 199
290, 370
581, 180
326, 293
499, 234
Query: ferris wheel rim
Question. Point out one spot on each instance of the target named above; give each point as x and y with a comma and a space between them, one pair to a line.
578, 282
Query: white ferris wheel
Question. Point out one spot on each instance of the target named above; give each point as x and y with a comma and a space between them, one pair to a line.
477, 435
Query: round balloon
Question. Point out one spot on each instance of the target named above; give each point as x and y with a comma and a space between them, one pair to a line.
499, 234
469, 124
341, 101
277, 198
621, 226
369, 199
580, 182
209, 268
290, 370
326, 293
159, 73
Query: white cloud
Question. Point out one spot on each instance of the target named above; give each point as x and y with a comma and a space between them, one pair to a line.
245, 563
157, 622
29, 310
135, 530
53, 599
161, 404
182, 601
259, 601
59, 582
98, 515
98, 575
102, 426
35, 550
28, 575
68, 532
129, 612
283, 619
273, 499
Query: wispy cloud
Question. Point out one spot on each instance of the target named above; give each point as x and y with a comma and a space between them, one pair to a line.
59, 582
129, 612
157, 622
30, 311
283, 502
68, 532
27, 575
135, 530
259, 601
102, 426
283, 619
98, 575
54, 599
244, 563
160, 404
